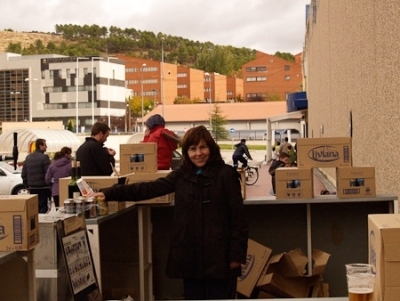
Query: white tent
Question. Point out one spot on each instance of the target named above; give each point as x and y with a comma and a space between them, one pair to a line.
55, 140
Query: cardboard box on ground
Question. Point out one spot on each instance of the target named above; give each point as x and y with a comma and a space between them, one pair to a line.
104, 182
384, 255
282, 275
19, 222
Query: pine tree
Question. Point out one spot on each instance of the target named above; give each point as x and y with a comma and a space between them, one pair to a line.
218, 131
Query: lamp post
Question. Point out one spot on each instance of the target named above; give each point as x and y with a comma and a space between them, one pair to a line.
93, 58
77, 94
143, 65
162, 78
108, 83
30, 95
210, 100
154, 98
16, 103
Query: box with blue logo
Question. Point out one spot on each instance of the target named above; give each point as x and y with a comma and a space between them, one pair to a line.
384, 255
324, 152
355, 182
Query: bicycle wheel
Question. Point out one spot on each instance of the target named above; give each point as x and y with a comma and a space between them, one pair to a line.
251, 175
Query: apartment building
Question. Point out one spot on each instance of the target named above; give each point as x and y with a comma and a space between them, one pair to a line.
164, 82
76, 90
271, 78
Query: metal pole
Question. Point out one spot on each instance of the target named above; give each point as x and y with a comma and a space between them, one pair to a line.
98, 57
162, 78
108, 83
143, 65
76, 95
210, 106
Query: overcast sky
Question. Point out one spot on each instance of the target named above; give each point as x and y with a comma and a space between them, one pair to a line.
265, 25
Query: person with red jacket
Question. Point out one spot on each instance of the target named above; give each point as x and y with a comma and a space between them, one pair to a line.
166, 140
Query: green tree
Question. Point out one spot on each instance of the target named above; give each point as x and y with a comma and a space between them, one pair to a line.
218, 131
70, 126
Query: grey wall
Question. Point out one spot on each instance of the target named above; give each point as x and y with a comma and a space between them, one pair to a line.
352, 65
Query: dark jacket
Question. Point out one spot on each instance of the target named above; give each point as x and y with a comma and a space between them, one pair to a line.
209, 229
274, 166
94, 158
58, 169
34, 170
242, 149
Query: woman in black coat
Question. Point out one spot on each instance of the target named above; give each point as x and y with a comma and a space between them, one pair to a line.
209, 231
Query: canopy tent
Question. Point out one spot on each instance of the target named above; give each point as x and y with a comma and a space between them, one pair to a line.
136, 138
55, 140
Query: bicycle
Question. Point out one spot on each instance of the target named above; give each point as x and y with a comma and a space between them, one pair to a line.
252, 175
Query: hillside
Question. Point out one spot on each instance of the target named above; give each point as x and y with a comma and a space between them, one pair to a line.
26, 38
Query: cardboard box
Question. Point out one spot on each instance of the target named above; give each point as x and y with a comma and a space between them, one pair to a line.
257, 258
285, 274
290, 264
138, 158
297, 287
355, 182
99, 182
294, 183
324, 152
384, 255
19, 222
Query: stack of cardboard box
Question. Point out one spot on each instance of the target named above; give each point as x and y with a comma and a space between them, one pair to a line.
351, 182
138, 163
282, 275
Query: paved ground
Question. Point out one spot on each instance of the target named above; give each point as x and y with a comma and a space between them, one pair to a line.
263, 185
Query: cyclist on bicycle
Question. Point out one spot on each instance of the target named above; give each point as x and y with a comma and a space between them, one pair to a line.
241, 149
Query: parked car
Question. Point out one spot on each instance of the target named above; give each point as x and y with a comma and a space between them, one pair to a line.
11, 180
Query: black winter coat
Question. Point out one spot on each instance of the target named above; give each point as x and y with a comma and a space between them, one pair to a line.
94, 158
34, 170
209, 229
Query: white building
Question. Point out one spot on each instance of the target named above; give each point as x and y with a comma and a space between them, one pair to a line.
48, 87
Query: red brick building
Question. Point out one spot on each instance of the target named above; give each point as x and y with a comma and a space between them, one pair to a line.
271, 78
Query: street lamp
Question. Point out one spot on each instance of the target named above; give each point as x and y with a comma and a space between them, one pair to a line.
30, 95
154, 98
162, 78
16, 103
77, 88
95, 57
143, 65
108, 93
210, 101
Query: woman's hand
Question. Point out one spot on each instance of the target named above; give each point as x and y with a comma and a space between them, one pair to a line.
234, 265
96, 194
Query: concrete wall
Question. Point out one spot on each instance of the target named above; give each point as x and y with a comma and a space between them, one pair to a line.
352, 67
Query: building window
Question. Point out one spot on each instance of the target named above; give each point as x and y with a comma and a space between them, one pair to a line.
256, 79
85, 71
256, 69
182, 74
182, 86
51, 74
287, 77
287, 68
68, 73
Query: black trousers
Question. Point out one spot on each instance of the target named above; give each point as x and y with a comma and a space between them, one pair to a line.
210, 289
44, 194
